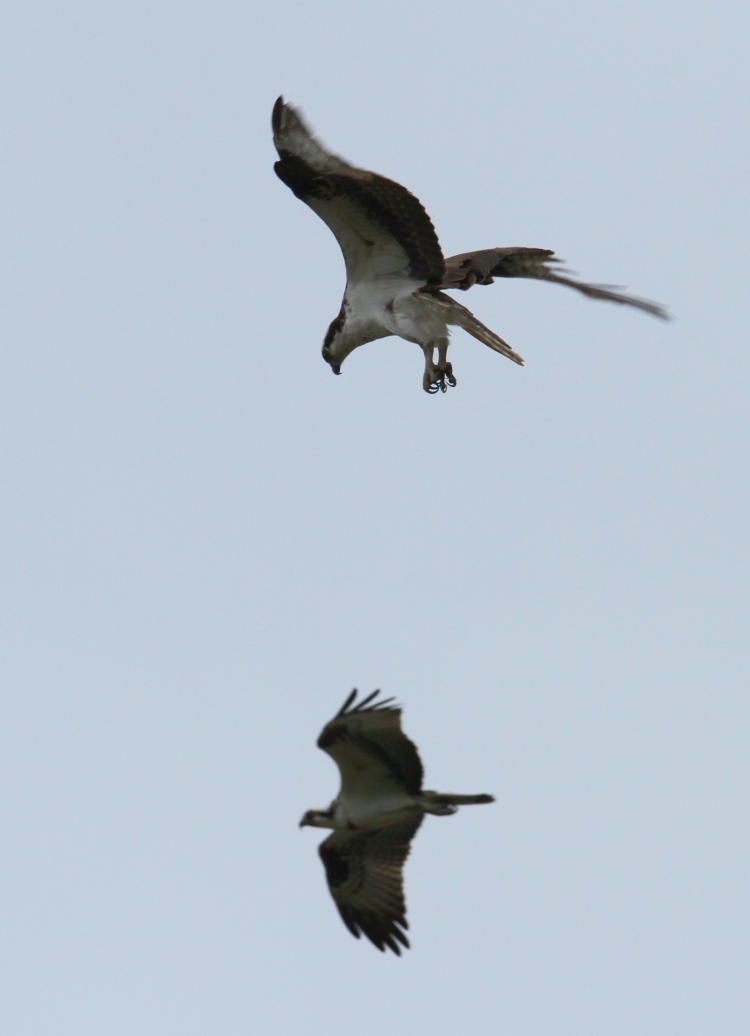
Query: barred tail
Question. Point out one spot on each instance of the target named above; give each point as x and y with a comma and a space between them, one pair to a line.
438, 798
463, 317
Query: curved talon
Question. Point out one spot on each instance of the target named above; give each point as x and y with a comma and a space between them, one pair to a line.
441, 383
445, 378
438, 378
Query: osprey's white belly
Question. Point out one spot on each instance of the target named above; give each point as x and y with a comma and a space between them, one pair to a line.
389, 306
417, 319
361, 807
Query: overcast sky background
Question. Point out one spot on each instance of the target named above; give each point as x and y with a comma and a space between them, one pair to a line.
208, 539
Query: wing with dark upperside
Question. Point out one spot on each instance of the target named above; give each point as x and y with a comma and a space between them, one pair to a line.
365, 876
462, 271
366, 742
382, 229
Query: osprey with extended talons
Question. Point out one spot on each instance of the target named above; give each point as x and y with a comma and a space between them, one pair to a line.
374, 817
395, 269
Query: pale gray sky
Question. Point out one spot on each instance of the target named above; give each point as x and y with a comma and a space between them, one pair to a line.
209, 539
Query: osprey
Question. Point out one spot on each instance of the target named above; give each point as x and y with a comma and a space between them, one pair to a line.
374, 817
395, 269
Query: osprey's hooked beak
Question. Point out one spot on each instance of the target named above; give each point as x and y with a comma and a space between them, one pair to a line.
335, 367
305, 821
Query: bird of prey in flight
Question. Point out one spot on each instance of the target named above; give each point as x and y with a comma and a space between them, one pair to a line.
395, 270
374, 817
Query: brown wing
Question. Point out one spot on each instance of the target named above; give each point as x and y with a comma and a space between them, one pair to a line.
382, 229
462, 271
366, 742
365, 876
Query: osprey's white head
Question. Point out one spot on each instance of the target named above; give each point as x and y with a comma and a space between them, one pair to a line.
334, 351
361, 319
318, 818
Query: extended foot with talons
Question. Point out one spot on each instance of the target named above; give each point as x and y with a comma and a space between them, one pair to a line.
437, 379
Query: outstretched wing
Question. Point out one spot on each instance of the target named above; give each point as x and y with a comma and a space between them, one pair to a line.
370, 749
365, 877
382, 229
462, 271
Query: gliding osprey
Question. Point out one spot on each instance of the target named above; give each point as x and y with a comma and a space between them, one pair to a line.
374, 817
394, 266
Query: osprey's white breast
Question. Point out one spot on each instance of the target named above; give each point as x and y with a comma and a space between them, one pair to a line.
366, 803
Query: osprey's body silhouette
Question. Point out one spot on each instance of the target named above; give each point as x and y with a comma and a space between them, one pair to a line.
374, 817
395, 269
